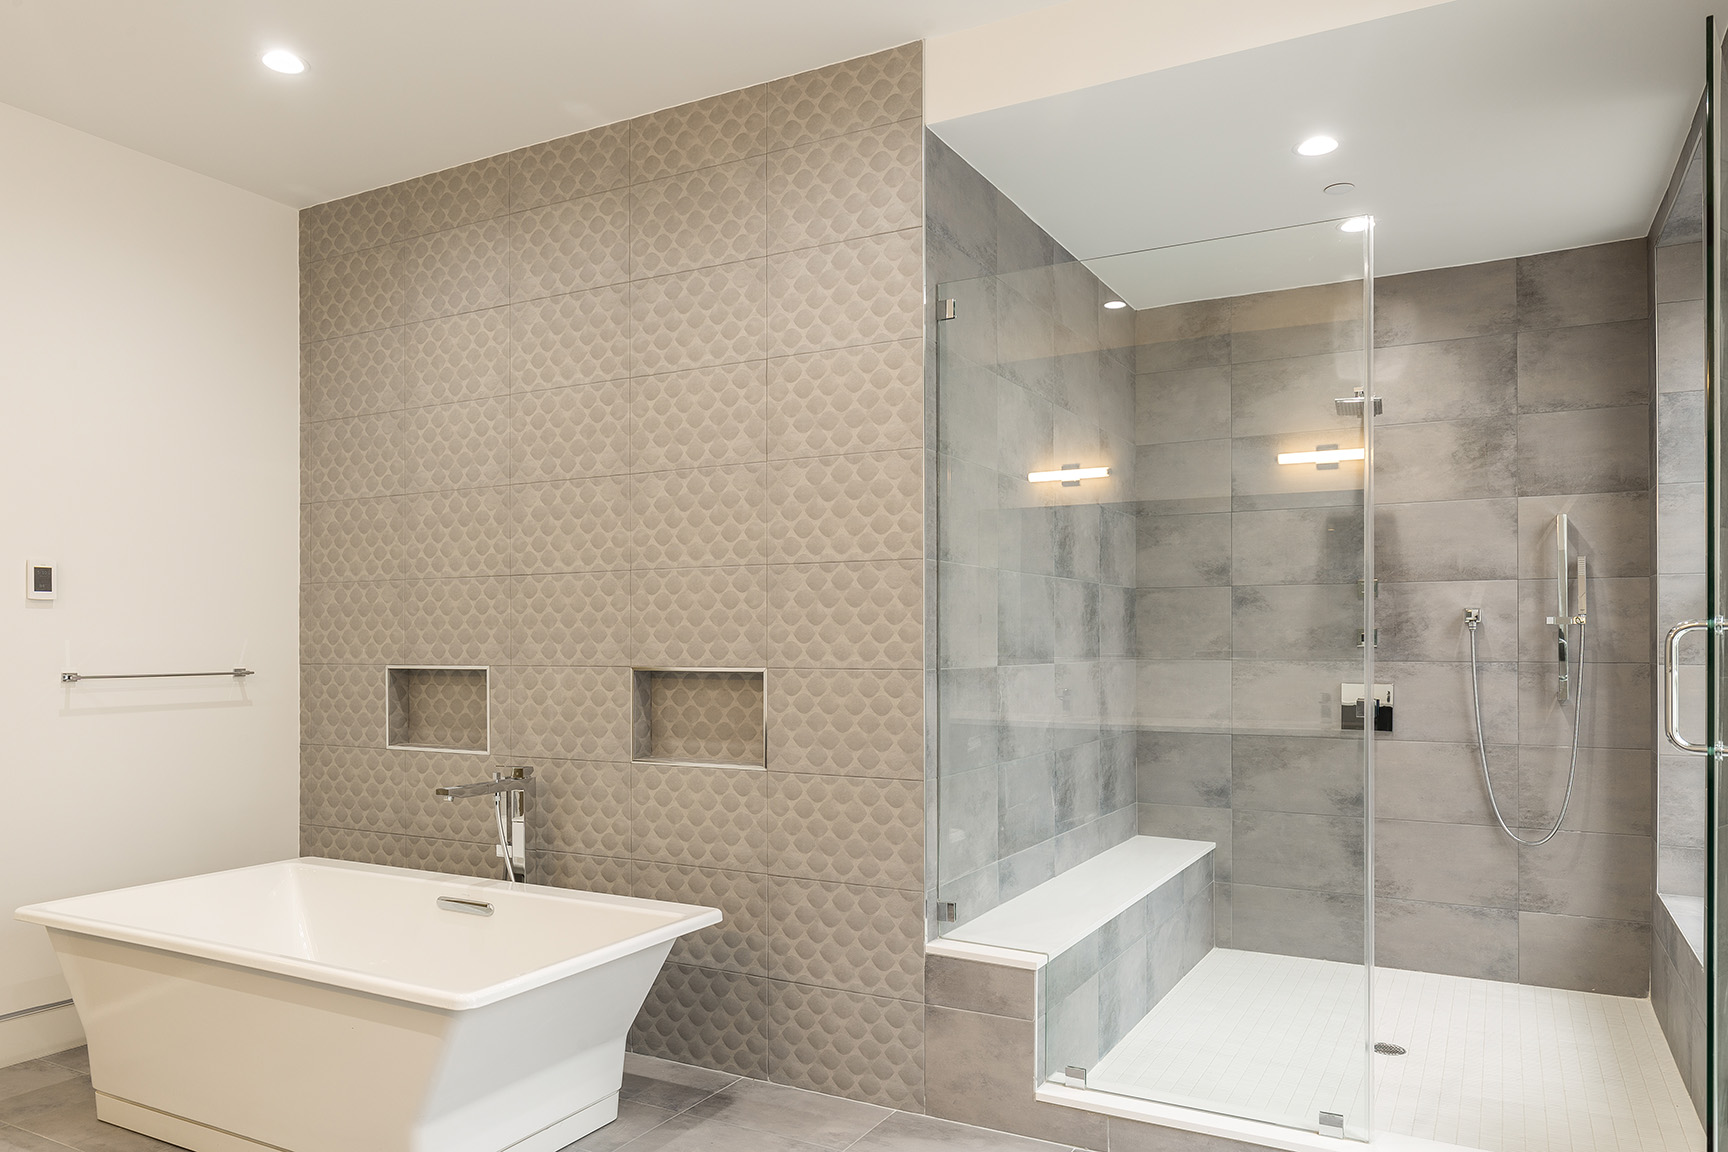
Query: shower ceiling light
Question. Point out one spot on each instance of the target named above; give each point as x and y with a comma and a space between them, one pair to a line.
1316, 146
1326, 456
282, 60
1068, 475
1339, 189
1356, 224
1115, 303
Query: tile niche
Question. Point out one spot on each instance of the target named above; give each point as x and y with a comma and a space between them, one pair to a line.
701, 717
438, 709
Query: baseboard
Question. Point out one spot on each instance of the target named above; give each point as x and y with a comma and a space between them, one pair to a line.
39, 1034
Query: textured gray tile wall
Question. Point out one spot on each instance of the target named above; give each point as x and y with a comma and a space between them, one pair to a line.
650, 395
1680, 577
1678, 997
1513, 391
1104, 984
1034, 581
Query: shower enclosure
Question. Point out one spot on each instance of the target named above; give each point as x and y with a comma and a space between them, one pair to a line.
1156, 672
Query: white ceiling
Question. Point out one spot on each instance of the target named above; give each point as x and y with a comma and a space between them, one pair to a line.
397, 89
1473, 130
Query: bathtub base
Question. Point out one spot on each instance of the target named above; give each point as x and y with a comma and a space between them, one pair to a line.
198, 1137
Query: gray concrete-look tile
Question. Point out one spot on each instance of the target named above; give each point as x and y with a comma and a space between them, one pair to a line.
31, 1075
1588, 874
1680, 347
1447, 379
974, 986
1446, 540
1598, 284
1607, 956
1416, 780
1295, 621
1611, 792
77, 1059
980, 1069
1619, 620
1294, 922
1590, 450
794, 1113
1591, 366
1424, 620
1680, 438
17, 1140
1298, 850
66, 1112
1612, 528
909, 1132
1446, 304
668, 1084
1457, 941
1464, 864
1184, 768
690, 1133
1133, 1136
634, 1118
1315, 775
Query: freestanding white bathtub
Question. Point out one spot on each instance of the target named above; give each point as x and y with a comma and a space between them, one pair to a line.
324, 1006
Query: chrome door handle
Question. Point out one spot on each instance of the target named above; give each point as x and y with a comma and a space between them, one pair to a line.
1671, 665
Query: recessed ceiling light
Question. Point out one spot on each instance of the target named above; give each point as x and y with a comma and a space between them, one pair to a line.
1356, 224
282, 60
1316, 146
1338, 189
1115, 303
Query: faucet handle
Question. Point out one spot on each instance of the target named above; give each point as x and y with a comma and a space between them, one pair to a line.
515, 772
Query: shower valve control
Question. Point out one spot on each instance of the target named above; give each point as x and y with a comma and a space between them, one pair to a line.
1353, 701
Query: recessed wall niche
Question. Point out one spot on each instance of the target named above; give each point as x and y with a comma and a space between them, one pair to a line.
438, 709
706, 717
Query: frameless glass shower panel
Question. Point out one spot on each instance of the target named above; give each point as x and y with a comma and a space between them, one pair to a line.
1154, 691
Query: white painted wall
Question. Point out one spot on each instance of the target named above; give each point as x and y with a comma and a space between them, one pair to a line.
149, 444
1082, 43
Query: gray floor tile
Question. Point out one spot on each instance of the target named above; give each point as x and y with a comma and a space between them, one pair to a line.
31, 1075
17, 1140
907, 1132
77, 1059
66, 1112
634, 1118
687, 1133
669, 1085
792, 1112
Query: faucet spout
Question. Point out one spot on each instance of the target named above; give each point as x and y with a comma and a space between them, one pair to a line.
498, 785
509, 800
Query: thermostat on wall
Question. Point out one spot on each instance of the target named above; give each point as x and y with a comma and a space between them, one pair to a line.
39, 580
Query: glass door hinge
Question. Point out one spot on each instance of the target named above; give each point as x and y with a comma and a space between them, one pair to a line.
1362, 586
945, 309
1362, 639
945, 911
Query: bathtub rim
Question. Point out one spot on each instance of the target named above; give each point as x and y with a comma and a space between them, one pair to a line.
692, 918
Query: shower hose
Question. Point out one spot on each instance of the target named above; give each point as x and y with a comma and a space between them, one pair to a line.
1482, 744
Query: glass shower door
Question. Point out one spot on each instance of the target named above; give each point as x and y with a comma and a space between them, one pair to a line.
1155, 676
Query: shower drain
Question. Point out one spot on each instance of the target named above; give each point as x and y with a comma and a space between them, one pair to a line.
1386, 1049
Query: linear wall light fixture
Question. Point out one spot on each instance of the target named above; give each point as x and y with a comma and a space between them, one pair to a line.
1325, 456
1068, 475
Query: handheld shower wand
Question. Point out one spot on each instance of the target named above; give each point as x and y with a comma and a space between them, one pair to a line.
1562, 622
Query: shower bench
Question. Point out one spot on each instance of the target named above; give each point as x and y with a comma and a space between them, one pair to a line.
1083, 956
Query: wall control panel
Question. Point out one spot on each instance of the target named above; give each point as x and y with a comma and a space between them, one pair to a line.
40, 580
1355, 703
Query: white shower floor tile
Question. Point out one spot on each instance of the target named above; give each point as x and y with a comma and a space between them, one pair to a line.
1502, 1067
